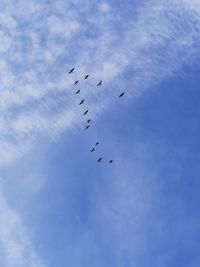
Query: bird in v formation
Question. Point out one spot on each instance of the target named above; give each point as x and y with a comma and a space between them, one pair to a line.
85, 113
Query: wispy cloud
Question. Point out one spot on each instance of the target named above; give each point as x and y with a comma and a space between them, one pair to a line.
38, 47
39, 42
15, 242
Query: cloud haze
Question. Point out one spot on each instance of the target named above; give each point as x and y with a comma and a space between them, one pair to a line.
39, 42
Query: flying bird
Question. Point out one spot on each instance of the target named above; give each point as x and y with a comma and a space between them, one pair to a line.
100, 83
93, 149
71, 70
96, 143
77, 92
76, 82
122, 94
87, 127
86, 77
111, 161
99, 160
81, 102
88, 121
85, 112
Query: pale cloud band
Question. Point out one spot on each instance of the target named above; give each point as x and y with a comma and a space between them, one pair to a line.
36, 50
39, 42
14, 239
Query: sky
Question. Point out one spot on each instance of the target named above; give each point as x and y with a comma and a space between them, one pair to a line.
58, 207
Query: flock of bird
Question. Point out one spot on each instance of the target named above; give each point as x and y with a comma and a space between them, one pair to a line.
86, 112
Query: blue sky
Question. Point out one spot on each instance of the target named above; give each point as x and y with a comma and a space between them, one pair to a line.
58, 207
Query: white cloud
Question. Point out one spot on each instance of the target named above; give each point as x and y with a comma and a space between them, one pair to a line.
5, 42
152, 46
62, 28
7, 21
14, 239
36, 96
104, 7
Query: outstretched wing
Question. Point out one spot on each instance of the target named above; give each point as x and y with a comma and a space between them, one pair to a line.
122, 94
71, 70
99, 83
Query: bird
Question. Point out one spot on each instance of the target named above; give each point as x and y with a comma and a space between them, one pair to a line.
88, 121
86, 77
96, 143
87, 127
99, 160
85, 112
93, 149
77, 92
122, 94
71, 70
99, 83
76, 82
111, 161
81, 102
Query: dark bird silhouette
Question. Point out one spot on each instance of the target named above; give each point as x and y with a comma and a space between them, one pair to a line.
99, 160
77, 92
88, 121
93, 149
87, 127
71, 70
122, 94
111, 161
100, 83
96, 143
81, 102
76, 82
86, 77
85, 112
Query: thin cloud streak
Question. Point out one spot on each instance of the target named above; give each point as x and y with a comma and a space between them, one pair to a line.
152, 47
37, 98
14, 239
